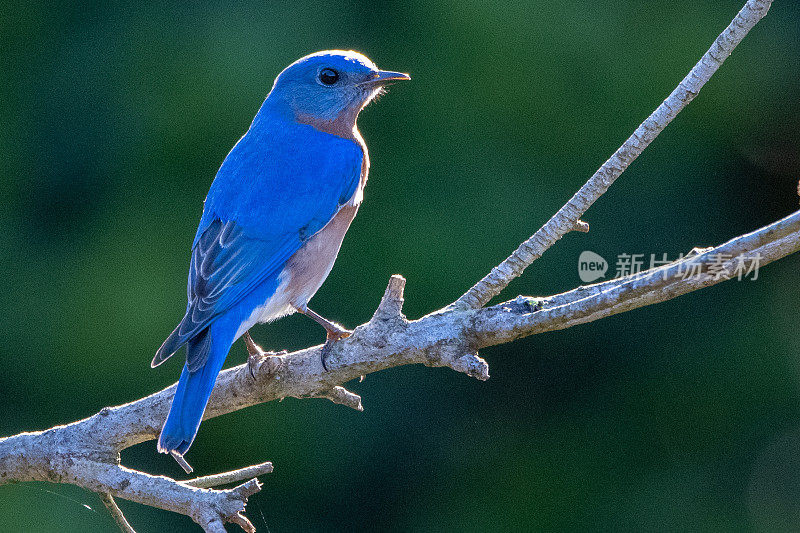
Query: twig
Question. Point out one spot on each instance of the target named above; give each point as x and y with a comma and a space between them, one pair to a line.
116, 513
341, 396
234, 476
593, 302
567, 217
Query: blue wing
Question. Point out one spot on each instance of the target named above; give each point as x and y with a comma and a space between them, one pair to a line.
269, 197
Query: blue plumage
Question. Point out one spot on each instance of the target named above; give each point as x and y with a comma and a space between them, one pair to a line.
272, 222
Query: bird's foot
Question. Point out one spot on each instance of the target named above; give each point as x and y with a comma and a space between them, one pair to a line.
270, 359
326, 352
257, 357
335, 333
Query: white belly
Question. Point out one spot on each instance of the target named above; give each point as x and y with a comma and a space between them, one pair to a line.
305, 271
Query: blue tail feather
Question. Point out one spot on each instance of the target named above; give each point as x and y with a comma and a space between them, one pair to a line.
192, 394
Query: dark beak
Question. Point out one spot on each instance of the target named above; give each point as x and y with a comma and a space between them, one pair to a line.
382, 77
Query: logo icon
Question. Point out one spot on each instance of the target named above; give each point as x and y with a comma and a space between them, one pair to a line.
591, 266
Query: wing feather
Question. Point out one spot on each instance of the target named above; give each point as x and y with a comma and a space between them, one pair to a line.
249, 230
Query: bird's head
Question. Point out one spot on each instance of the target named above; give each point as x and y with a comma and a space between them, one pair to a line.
328, 89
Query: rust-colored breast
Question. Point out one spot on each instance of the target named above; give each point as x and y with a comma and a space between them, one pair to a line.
309, 266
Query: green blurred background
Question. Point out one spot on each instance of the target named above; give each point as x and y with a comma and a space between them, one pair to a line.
684, 415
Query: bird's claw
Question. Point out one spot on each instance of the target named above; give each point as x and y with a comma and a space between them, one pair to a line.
271, 359
252, 362
257, 356
335, 333
326, 351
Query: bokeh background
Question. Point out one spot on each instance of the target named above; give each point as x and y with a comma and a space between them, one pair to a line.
685, 415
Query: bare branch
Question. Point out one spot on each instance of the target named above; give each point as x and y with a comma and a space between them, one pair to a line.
341, 396
234, 476
581, 227
593, 302
116, 513
86, 453
78, 454
391, 306
567, 217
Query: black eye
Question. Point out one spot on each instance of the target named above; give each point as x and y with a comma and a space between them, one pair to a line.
328, 76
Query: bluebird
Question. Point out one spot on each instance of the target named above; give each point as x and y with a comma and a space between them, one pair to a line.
273, 222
